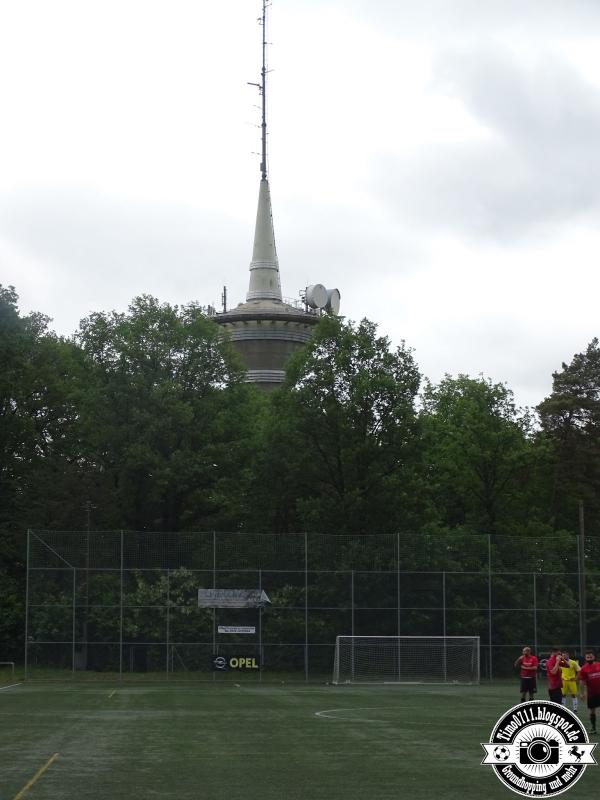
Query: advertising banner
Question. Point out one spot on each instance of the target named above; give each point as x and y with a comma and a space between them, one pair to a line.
243, 663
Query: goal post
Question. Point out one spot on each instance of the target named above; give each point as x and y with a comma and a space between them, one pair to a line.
406, 659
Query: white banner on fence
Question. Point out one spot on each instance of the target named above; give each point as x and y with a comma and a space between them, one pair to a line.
232, 598
237, 629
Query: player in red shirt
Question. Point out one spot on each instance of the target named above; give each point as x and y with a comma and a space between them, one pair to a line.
528, 666
554, 675
589, 675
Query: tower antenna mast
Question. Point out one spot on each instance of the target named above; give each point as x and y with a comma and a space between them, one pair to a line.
262, 89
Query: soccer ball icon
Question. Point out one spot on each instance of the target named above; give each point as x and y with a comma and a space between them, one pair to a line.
501, 753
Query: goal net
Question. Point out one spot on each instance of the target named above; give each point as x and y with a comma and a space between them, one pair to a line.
406, 659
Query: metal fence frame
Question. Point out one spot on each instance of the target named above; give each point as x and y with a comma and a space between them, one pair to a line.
80, 553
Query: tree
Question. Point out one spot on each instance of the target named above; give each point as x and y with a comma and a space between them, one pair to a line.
478, 454
570, 418
343, 434
37, 413
165, 418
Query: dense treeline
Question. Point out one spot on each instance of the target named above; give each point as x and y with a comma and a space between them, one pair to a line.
142, 421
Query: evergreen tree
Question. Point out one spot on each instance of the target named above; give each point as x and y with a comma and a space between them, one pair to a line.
570, 418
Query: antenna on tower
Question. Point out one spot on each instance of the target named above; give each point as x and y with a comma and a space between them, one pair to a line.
262, 90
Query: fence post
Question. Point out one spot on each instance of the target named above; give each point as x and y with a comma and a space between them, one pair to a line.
398, 622
581, 571
490, 658
168, 616
352, 620
305, 606
74, 613
26, 662
260, 645
444, 625
214, 642
121, 614
535, 634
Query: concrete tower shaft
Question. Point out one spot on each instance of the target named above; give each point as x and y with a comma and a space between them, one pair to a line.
264, 267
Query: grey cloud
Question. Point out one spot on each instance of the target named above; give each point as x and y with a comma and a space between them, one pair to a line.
105, 250
342, 243
503, 348
540, 165
431, 19
80, 227
538, 108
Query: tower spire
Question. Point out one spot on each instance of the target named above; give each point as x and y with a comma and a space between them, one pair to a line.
264, 267
266, 330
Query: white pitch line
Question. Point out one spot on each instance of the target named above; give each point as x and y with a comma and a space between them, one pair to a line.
10, 687
326, 715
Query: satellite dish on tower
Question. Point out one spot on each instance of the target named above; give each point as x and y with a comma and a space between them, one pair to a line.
316, 296
333, 301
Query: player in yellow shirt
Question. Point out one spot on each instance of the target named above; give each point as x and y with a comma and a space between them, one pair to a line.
569, 669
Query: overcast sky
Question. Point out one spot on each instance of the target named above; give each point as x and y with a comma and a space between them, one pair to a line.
435, 161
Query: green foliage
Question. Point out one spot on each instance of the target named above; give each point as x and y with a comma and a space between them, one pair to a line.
162, 417
37, 414
174, 593
570, 419
343, 434
478, 452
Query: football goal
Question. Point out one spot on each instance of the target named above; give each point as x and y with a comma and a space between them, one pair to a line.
406, 659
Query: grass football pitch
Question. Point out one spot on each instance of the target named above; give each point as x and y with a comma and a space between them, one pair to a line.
251, 742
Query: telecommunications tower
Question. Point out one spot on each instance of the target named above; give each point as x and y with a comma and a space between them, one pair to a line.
267, 329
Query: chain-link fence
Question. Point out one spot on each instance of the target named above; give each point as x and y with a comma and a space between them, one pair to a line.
125, 603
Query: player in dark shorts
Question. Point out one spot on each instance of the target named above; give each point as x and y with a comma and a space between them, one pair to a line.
528, 667
554, 675
589, 675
